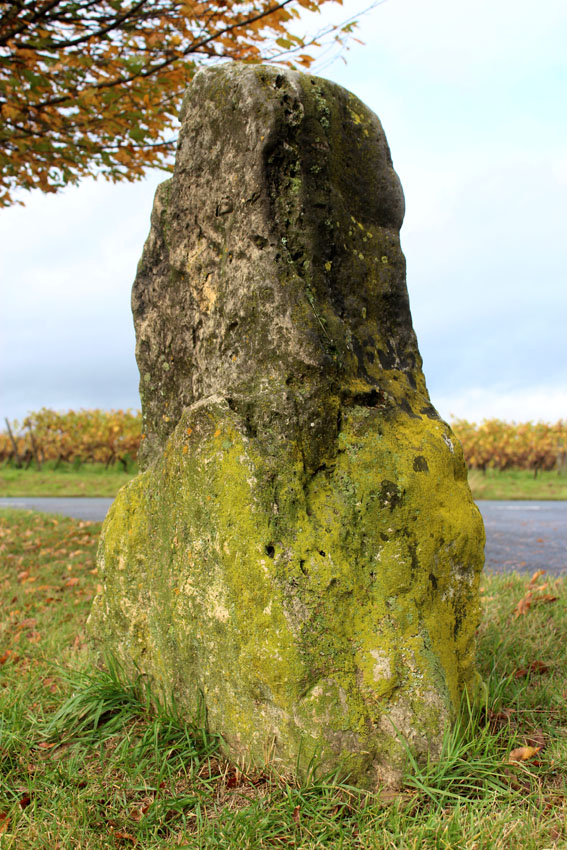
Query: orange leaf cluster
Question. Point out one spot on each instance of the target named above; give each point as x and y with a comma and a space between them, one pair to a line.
95, 88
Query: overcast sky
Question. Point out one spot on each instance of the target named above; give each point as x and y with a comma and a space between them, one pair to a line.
472, 96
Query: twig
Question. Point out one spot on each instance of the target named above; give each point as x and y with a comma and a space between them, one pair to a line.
35, 449
14, 445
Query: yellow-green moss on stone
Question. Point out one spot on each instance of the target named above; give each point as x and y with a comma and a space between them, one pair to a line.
322, 616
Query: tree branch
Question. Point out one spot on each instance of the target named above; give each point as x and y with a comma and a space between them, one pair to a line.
60, 45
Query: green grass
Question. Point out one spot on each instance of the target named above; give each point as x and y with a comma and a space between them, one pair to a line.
95, 480
517, 484
90, 479
89, 760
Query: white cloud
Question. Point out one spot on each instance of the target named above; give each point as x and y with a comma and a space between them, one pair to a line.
68, 263
537, 404
460, 43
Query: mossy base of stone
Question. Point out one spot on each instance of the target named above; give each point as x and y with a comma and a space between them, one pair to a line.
324, 616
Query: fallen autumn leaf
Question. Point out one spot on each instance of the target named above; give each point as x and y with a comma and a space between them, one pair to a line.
523, 605
534, 667
522, 754
535, 576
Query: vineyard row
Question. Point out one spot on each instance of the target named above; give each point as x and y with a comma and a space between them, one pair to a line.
108, 437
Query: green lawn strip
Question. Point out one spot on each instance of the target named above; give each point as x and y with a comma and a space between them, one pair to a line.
96, 480
89, 479
517, 484
90, 760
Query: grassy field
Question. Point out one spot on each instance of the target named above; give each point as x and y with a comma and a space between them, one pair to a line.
89, 761
517, 484
95, 480
90, 479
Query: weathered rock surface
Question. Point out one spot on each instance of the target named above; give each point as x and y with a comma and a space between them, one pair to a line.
302, 549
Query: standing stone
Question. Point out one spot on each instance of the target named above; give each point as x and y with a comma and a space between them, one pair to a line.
301, 551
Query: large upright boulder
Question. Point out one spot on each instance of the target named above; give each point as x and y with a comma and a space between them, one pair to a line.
301, 552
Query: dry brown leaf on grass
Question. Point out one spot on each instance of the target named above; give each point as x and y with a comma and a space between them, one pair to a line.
126, 836
522, 754
538, 574
538, 667
524, 604
71, 582
79, 642
25, 800
529, 599
138, 812
548, 597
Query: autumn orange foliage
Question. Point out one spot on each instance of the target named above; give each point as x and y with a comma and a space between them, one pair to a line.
107, 436
99, 436
95, 88
494, 444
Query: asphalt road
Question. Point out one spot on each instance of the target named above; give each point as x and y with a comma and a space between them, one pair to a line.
79, 508
521, 536
525, 536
